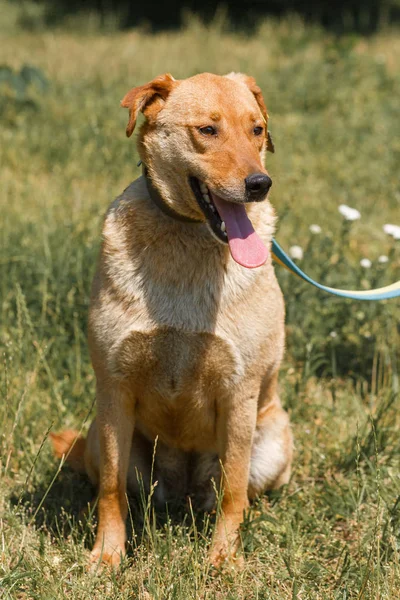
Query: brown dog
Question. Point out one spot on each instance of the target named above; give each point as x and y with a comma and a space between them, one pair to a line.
186, 325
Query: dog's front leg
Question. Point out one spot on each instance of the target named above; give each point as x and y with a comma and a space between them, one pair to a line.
235, 429
115, 426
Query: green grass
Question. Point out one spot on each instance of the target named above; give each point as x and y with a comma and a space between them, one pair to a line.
334, 532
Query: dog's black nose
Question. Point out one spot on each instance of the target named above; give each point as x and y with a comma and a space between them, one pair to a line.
257, 185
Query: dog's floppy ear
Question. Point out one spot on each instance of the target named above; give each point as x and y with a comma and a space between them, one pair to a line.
148, 99
270, 143
257, 93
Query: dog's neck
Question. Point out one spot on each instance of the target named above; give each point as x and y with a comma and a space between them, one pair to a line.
161, 204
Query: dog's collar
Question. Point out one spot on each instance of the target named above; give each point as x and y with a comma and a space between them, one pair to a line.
160, 202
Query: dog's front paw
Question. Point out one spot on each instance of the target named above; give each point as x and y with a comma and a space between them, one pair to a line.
224, 549
218, 554
106, 556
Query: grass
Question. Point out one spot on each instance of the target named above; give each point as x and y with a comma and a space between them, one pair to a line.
334, 532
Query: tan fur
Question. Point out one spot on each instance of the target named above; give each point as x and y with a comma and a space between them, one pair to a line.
186, 344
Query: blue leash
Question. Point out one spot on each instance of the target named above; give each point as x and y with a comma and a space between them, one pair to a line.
389, 291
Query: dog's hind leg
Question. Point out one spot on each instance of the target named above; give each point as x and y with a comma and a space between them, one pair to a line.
272, 450
205, 480
170, 473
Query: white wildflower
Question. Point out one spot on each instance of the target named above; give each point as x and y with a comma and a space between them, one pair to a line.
383, 259
388, 228
366, 263
350, 214
393, 230
315, 228
333, 334
296, 252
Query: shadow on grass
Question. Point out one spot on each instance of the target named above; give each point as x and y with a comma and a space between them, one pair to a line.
68, 510
63, 509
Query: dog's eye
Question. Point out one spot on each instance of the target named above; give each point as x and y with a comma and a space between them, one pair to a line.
258, 130
209, 130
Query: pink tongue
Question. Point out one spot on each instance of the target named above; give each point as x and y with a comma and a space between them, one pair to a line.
246, 247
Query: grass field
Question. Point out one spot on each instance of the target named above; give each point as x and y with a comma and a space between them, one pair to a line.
334, 531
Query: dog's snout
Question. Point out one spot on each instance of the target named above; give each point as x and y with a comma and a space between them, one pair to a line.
257, 185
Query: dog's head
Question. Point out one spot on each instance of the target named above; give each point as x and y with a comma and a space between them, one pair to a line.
204, 143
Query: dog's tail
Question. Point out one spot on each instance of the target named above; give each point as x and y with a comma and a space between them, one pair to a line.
70, 444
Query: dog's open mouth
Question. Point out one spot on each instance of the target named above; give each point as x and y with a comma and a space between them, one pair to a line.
205, 201
231, 225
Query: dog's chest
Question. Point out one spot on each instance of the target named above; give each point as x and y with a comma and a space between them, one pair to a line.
177, 378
